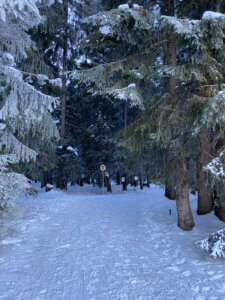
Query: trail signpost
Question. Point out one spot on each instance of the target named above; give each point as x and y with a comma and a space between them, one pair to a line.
103, 169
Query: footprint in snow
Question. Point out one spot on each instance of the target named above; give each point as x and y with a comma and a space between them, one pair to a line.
187, 273
211, 272
197, 263
173, 268
182, 261
206, 289
218, 276
64, 246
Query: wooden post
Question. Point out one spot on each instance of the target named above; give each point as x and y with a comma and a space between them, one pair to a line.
103, 169
103, 184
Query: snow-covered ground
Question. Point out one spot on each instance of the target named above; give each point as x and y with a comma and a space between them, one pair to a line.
81, 245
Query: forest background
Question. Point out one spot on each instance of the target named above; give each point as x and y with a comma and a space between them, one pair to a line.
137, 86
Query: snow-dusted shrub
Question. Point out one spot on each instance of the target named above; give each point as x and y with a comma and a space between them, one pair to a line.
11, 186
214, 244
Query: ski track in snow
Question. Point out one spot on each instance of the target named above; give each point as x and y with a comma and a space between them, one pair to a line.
80, 245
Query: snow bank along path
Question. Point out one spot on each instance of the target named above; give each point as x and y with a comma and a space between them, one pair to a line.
82, 245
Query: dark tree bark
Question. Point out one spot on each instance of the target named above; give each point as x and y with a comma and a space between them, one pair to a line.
124, 183
132, 180
205, 192
141, 181
170, 191
185, 218
43, 178
108, 184
81, 182
125, 121
148, 181
61, 184
220, 213
135, 181
126, 178
64, 77
118, 178
171, 60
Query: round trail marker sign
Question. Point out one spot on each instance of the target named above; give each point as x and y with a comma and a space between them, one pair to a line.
103, 168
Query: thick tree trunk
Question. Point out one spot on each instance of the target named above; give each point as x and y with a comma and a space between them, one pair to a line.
219, 207
170, 153
205, 192
171, 60
185, 218
170, 191
61, 183
220, 212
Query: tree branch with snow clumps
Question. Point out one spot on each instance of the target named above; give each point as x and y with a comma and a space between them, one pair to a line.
214, 244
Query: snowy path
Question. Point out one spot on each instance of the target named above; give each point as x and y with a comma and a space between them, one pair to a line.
84, 246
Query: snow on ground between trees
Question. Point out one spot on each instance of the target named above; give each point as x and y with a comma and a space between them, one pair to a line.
80, 244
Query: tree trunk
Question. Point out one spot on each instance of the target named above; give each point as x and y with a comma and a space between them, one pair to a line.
219, 207
43, 178
82, 181
220, 212
125, 121
64, 77
170, 191
135, 180
185, 218
61, 183
132, 180
141, 181
171, 60
108, 184
124, 183
148, 181
205, 192
50, 179
118, 178
126, 178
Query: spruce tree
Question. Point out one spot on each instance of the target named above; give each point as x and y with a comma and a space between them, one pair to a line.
25, 112
135, 28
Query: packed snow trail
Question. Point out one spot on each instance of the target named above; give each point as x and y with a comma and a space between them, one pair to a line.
81, 245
